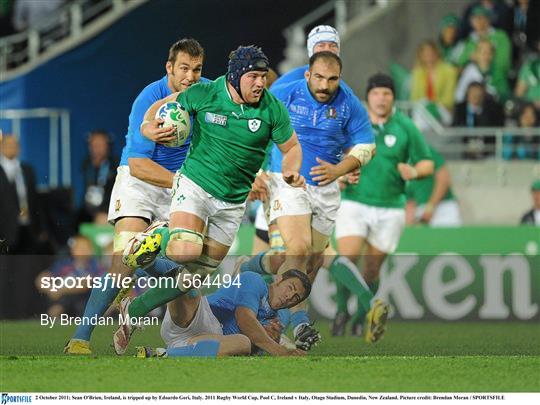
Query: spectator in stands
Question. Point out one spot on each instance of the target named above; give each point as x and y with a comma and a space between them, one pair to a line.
99, 171
21, 220
448, 40
21, 232
430, 200
80, 263
29, 13
433, 81
480, 20
523, 146
532, 217
500, 14
6, 11
528, 84
518, 34
481, 69
478, 110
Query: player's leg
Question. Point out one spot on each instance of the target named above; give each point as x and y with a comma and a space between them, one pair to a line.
352, 227
229, 345
382, 241
101, 298
261, 241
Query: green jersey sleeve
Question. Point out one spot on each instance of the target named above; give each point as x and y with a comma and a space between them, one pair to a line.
418, 148
281, 124
191, 98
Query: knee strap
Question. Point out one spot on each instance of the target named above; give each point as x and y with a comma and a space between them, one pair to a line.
186, 235
121, 239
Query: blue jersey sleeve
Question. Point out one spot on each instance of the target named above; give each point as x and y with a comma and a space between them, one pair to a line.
140, 146
252, 289
358, 126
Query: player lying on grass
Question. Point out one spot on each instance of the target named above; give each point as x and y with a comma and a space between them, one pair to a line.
336, 138
233, 317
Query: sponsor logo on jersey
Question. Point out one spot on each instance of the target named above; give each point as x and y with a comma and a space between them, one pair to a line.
117, 206
277, 205
254, 125
331, 113
217, 119
390, 140
299, 109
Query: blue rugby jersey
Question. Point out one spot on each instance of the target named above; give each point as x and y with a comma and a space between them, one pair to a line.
137, 145
325, 130
252, 294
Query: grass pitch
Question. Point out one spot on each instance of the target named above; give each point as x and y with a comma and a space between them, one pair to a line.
413, 357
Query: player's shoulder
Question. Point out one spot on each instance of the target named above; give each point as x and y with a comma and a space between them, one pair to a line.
287, 89
292, 75
252, 280
403, 120
154, 91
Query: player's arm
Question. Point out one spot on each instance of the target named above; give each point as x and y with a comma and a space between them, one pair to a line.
420, 170
440, 188
419, 154
358, 156
147, 170
292, 161
251, 327
150, 126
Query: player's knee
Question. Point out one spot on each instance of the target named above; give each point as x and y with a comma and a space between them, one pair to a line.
183, 252
184, 245
353, 257
298, 247
242, 346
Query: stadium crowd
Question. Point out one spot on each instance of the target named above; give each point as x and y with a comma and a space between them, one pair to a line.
482, 70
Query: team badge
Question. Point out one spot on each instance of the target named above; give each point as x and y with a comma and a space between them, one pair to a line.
254, 125
331, 113
117, 206
390, 140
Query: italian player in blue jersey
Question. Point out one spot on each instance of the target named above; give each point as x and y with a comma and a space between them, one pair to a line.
142, 189
336, 138
235, 318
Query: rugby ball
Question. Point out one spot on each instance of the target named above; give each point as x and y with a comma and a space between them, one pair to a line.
173, 114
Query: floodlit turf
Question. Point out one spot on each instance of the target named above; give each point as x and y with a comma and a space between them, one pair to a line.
490, 357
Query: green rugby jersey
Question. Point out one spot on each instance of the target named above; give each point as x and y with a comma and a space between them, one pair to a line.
420, 190
380, 185
229, 140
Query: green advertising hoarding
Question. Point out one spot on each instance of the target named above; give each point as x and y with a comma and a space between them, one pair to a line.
490, 273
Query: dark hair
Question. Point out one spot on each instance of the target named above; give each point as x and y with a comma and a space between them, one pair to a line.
187, 45
100, 132
293, 273
326, 56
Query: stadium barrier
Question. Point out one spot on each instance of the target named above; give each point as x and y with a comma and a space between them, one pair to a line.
450, 274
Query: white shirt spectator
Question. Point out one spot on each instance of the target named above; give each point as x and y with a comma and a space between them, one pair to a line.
28, 13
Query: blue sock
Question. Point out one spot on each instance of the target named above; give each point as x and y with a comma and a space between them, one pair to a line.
204, 348
284, 316
299, 317
254, 264
161, 266
100, 299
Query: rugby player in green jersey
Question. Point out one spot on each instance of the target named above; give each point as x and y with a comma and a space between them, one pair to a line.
372, 214
234, 119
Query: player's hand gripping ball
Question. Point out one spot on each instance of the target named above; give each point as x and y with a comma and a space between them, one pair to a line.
174, 115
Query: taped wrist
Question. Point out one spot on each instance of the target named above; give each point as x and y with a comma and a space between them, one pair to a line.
363, 152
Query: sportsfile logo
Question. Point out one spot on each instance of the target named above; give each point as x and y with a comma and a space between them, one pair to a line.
15, 399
